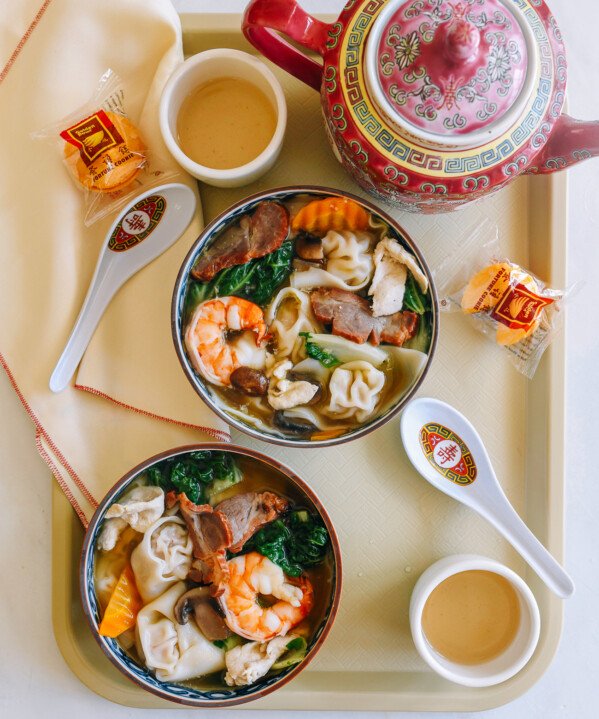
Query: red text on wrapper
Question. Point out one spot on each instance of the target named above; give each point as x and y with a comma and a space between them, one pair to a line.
92, 136
519, 308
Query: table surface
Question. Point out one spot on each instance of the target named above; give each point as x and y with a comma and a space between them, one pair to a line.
33, 676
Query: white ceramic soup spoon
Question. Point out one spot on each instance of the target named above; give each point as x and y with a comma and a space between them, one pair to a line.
149, 225
447, 451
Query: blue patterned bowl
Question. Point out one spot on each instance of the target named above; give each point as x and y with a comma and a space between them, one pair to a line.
181, 693
204, 390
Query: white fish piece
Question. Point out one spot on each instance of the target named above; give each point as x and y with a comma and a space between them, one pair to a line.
139, 509
246, 663
392, 263
284, 393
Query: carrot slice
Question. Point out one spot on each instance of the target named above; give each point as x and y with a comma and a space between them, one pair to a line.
123, 606
331, 213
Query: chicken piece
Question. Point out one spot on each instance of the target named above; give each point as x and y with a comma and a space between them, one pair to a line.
253, 236
284, 393
392, 262
248, 662
246, 513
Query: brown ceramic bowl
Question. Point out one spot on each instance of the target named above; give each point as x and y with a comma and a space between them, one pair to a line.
204, 389
217, 696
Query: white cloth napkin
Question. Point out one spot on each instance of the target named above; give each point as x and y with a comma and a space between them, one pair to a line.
130, 398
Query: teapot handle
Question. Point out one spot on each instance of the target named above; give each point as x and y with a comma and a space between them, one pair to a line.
262, 17
571, 141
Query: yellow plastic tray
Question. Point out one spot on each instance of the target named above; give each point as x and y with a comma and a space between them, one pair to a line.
391, 523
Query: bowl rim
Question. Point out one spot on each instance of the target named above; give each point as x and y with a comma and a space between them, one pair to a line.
185, 269
87, 552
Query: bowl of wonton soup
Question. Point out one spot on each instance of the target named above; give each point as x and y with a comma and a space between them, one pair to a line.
305, 316
172, 622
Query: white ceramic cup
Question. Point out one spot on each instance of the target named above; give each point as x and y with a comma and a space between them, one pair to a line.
507, 664
211, 65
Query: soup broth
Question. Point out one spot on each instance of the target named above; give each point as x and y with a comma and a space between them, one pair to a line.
472, 617
225, 123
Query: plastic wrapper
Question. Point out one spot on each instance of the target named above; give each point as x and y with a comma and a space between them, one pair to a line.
103, 150
513, 307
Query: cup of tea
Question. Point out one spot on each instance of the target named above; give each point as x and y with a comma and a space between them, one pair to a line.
474, 621
223, 117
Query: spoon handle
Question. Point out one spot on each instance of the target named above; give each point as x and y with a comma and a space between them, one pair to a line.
101, 291
507, 521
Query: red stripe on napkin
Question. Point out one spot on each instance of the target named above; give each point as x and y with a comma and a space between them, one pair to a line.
42, 432
216, 433
23, 40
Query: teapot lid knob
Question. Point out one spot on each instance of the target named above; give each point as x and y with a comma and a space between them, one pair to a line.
462, 40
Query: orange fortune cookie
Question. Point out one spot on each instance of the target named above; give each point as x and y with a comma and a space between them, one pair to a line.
104, 151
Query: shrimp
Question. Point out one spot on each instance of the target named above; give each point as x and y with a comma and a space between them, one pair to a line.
251, 575
213, 353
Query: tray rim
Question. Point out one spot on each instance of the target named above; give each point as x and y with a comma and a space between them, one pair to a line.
292, 696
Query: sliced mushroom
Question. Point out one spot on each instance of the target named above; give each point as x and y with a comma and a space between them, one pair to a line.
295, 425
250, 381
309, 247
198, 602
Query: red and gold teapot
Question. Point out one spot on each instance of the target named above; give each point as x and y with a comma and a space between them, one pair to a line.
432, 103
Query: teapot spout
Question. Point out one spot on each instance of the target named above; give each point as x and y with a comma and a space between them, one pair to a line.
570, 142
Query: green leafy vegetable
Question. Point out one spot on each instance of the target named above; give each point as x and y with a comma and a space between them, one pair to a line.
196, 294
296, 643
294, 542
414, 299
326, 358
233, 641
201, 475
256, 281
296, 651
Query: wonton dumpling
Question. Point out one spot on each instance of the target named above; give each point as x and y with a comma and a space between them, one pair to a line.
354, 390
290, 313
392, 263
139, 509
162, 558
349, 263
348, 256
175, 652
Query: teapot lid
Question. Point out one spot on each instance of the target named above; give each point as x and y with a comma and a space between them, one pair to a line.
451, 74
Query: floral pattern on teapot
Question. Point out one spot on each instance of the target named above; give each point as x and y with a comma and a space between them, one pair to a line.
450, 68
